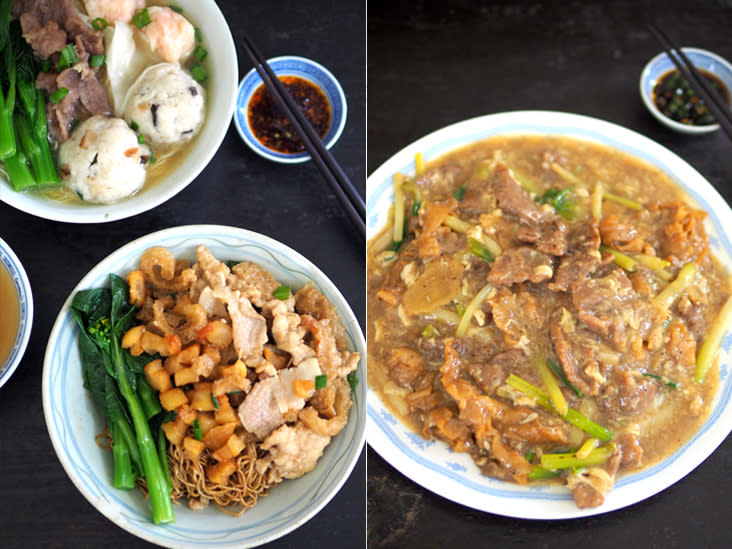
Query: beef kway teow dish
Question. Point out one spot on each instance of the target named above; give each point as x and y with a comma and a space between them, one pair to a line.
549, 306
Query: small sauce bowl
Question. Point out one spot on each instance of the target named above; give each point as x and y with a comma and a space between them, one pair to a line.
661, 65
16, 304
300, 73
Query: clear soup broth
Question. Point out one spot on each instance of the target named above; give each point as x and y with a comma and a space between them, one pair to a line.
9, 315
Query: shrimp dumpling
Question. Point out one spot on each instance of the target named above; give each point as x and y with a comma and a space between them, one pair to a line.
113, 10
169, 34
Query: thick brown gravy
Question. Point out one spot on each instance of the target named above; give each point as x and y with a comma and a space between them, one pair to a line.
634, 364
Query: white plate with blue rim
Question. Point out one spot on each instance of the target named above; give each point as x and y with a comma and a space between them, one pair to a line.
454, 475
313, 72
73, 421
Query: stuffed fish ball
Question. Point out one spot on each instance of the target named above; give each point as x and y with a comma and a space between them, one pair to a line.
103, 161
166, 105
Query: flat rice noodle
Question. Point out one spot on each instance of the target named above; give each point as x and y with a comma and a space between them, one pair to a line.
435, 287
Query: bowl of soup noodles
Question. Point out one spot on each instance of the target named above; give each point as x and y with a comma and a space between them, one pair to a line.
170, 99
16, 303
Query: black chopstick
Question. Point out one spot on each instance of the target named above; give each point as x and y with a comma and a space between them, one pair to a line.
344, 190
714, 103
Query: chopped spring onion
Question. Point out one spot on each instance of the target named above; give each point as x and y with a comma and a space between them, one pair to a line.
663, 379
587, 447
668, 295
321, 381
418, 164
460, 309
566, 175
551, 386
561, 201
557, 369
478, 249
134, 125
573, 416
620, 259
200, 52
398, 180
67, 57
597, 202
99, 24
416, 205
430, 331
598, 456
58, 95
456, 224
282, 293
176, 9
470, 310
652, 261
708, 350
141, 18
197, 432
97, 60
215, 401
198, 35
627, 202
141, 139
541, 473
526, 183
352, 381
198, 73
460, 193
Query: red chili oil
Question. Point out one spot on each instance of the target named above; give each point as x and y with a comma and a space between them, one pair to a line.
270, 125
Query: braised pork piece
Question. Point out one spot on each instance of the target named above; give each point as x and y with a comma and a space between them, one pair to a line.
541, 304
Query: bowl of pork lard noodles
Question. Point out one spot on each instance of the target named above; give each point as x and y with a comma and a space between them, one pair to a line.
548, 315
232, 405
121, 103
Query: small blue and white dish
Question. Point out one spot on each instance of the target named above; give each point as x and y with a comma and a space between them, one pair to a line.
16, 343
291, 66
662, 64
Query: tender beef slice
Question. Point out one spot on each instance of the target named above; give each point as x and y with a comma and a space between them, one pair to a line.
625, 235
45, 40
490, 375
478, 198
583, 259
449, 241
575, 359
631, 449
517, 265
432, 349
610, 307
87, 40
627, 393
93, 97
441, 181
405, 367
588, 488
512, 199
517, 315
549, 235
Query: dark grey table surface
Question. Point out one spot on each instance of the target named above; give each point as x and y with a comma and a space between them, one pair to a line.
434, 63
39, 506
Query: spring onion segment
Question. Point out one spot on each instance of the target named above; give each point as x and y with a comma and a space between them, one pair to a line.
572, 416
710, 346
470, 310
551, 385
670, 293
571, 460
398, 234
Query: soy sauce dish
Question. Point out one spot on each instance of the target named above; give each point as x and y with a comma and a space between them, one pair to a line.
673, 102
16, 303
264, 127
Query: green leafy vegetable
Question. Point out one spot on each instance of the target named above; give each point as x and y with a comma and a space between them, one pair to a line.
561, 200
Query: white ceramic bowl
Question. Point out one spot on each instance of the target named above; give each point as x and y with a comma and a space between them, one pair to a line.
661, 64
73, 420
307, 69
454, 475
221, 65
13, 267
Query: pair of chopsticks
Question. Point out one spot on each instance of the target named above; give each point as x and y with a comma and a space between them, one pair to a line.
344, 190
711, 98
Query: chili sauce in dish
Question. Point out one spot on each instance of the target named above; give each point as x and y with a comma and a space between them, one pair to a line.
10, 317
270, 125
676, 99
